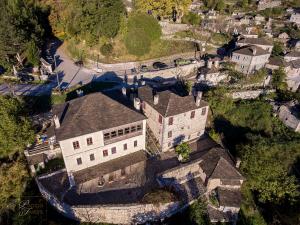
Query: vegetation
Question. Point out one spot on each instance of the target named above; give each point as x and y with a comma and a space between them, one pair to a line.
219, 38
183, 151
15, 128
142, 31
191, 18
106, 49
278, 79
159, 196
22, 26
278, 49
162, 8
198, 212
52, 166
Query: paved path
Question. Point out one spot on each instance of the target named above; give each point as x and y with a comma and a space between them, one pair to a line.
27, 89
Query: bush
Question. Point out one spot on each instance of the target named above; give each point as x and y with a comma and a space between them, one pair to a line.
106, 49
142, 30
184, 151
191, 18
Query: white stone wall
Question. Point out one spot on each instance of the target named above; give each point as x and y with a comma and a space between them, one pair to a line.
249, 94
183, 127
295, 18
248, 64
70, 154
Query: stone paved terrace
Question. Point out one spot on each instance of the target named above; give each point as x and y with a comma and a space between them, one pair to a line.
125, 191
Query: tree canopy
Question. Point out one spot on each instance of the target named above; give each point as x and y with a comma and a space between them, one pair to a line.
15, 128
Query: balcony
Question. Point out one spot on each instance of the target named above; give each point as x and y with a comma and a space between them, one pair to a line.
122, 137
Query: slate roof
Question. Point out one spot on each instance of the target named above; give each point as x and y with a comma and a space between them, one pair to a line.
278, 62
248, 50
218, 164
94, 112
206, 70
170, 103
255, 41
295, 63
229, 197
293, 54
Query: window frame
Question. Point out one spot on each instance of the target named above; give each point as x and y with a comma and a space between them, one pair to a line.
79, 161
135, 143
92, 157
89, 141
76, 145
105, 153
171, 120
114, 150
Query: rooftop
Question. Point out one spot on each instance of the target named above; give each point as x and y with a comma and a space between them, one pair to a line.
170, 102
229, 197
293, 54
251, 51
276, 61
255, 41
94, 112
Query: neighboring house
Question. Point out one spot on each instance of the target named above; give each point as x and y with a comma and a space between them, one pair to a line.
275, 63
293, 75
249, 59
287, 115
265, 4
172, 117
291, 56
98, 128
295, 18
259, 42
210, 74
284, 38
258, 19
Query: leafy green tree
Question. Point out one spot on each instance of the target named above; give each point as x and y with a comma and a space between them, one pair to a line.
184, 151
198, 212
191, 18
220, 102
278, 79
220, 5
267, 171
277, 49
13, 178
15, 128
106, 49
142, 30
33, 53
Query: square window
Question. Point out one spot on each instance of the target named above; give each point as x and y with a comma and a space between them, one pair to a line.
106, 136
139, 127
169, 134
171, 121
89, 141
203, 112
125, 146
160, 119
76, 145
105, 153
192, 114
135, 143
133, 128
127, 131
120, 132
113, 150
92, 157
113, 134
79, 161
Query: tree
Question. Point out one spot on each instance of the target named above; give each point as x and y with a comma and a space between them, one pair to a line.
191, 18
277, 49
163, 7
142, 30
33, 53
183, 150
278, 79
219, 100
220, 5
198, 212
106, 49
13, 179
15, 128
266, 167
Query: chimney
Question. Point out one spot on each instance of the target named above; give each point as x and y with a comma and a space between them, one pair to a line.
238, 163
124, 91
56, 122
209, 64
198, 98
155, 99
254, 50
217, 63
137, 104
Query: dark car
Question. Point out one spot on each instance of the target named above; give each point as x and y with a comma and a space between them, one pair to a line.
26, 78
79, 63
159, 65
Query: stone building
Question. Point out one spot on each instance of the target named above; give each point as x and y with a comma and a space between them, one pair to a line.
171, 116
98, 128
265, 4
259, 42
249, 59
295, 18
288, 115
210, 74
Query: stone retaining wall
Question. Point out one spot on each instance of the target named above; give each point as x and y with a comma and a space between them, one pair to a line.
250, 94
172, 28
115, 214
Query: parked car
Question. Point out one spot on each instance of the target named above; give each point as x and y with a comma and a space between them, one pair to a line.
25, 78
182, 62
79, 63
159, 65
144, 68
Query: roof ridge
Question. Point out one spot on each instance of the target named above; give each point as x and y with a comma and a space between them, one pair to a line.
167, 109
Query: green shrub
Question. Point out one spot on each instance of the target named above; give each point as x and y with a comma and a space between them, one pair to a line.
191, 18
106, 49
